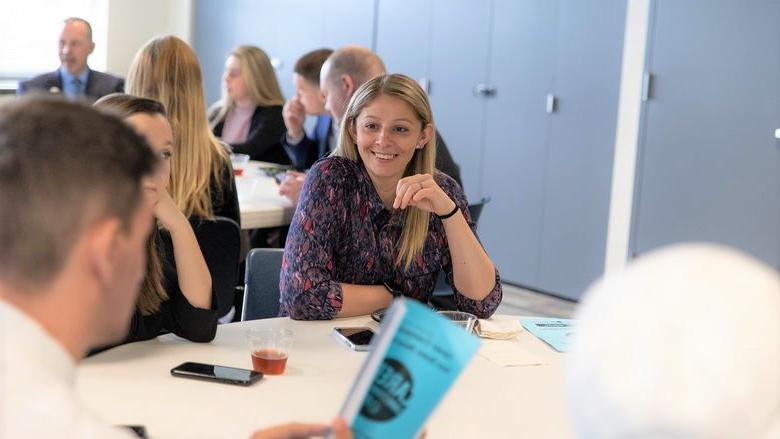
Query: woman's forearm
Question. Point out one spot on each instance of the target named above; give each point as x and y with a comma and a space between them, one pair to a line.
191, 268
473, 271
363, 299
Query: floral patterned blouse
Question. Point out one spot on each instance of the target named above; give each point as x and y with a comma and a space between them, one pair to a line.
342, 232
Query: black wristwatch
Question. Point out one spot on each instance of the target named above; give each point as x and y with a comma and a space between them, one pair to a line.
394, 291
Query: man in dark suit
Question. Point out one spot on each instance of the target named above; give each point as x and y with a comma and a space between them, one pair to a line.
74, 78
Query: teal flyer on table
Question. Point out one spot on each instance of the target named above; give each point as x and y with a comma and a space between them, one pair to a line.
555, 332
425, 356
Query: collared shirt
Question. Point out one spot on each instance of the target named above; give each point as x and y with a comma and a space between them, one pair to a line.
37, 385
69, 88
342, 233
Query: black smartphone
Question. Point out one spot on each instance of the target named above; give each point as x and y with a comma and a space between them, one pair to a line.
357, 338
280, 176
277, 172
211, 372
138, 430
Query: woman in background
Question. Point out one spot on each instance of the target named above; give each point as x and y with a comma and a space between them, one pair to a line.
176, 294
249, 115
202, 183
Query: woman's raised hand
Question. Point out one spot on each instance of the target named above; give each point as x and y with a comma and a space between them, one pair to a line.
422, 192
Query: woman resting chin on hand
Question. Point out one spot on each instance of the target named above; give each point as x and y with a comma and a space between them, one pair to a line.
176, 294
376, 219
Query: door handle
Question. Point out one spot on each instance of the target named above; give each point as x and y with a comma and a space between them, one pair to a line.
777, 134
550, 103
647, 79
485, 90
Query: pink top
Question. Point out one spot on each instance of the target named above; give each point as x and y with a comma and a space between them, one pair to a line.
237, 124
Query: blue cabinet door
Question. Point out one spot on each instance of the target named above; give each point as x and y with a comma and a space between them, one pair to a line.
460, 42
710, 163
580, 152
516, 127
403, 40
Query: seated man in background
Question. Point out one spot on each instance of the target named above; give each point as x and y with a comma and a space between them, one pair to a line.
71, 260
305, 149
342, 74
74, 78
684, 343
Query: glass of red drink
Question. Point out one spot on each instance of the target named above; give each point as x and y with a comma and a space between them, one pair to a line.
269, 349
239, 162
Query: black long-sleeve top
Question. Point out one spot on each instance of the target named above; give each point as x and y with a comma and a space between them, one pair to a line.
263, 140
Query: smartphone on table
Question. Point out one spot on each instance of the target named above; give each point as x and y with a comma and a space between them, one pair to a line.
356, 338
279, 173
221, 374
138, 430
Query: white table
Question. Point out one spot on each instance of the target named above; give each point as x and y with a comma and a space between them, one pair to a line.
132, 384
259, 200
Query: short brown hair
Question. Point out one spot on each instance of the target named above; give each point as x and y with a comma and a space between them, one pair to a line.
63, 166
358, 62
125, 105
310, 64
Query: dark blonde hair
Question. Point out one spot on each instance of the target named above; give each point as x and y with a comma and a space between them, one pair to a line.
415, 229
260, 79
152, 291
166, 69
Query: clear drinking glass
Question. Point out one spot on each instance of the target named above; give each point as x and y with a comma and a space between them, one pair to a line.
269, 349
460, 318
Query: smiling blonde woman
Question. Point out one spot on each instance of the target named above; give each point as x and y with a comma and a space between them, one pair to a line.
376, 220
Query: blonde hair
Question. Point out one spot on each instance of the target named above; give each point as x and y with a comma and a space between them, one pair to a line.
415, 228
260, 79
167, 69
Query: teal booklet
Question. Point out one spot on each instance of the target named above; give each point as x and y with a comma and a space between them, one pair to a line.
416, 357
555, 332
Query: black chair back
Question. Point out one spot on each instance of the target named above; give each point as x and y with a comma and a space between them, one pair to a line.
475, 209
261, 288
220, 242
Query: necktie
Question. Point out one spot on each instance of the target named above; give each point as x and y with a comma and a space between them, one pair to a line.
78, 87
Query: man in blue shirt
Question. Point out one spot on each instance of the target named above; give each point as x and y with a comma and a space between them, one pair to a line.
74, 78
305, 149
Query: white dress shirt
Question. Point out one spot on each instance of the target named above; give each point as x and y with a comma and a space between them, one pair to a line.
37, 398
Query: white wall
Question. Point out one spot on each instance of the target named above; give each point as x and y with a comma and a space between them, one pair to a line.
131, 23
627, 134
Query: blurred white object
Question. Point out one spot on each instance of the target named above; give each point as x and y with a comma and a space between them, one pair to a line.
683, 343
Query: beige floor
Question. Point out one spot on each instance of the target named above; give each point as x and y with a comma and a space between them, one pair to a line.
519, 301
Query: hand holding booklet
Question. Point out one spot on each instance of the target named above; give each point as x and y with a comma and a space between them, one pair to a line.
416, 357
